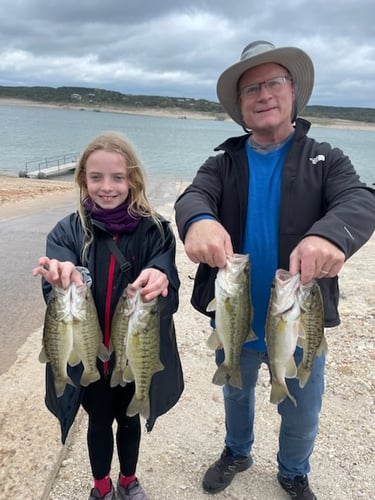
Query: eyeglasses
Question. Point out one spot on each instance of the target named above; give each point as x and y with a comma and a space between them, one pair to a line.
273, 85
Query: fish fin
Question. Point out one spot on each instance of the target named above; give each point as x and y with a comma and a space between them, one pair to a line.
141, 406
303, 375
111, 349
103, 353
117, 378
323, 348
88, 377
236, 378
211, 306
60, 385
291, 369
221, 376
128, 374
213, 340
228, 305
279, 392
252, 336
74, 358
301, 342
43, 358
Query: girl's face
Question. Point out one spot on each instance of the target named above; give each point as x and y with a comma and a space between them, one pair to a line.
107, 178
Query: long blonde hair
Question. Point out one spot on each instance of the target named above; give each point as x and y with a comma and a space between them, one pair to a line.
114, 142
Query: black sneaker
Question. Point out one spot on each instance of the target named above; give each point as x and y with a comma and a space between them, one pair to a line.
221, 473
297, 487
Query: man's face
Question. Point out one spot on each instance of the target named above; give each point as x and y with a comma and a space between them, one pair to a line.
267, 108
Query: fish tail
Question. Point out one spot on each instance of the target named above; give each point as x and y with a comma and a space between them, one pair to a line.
117, 378
303, 375
89, 376
236, 378
221, 376
279, 392
60, 384
141, 406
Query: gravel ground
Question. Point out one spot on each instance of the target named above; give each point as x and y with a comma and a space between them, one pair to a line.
184, 442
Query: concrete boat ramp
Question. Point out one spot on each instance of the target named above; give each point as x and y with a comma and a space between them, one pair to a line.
50, 167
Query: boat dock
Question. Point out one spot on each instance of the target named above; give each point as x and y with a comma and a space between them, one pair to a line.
50, 167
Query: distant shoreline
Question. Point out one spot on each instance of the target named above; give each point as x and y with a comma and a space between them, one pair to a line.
176, 113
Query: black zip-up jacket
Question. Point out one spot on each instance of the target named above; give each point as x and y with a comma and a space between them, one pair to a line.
144, 248
321, 195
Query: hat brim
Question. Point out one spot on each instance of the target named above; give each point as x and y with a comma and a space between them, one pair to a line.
295, 60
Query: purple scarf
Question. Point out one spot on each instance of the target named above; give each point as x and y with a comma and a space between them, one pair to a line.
116, 220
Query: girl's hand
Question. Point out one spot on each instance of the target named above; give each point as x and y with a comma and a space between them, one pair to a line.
58, 273
153, 283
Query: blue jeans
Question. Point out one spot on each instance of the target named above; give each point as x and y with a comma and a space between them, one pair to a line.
299, 425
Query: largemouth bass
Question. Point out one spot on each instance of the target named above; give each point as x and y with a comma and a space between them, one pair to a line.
233, 316
142, 351
87, 336
57, 343
72, 334
313, 341
283, 327
119, 333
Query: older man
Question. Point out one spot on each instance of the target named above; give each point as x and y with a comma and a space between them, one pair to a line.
289, 202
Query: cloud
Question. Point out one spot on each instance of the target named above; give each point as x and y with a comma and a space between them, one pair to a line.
180, 49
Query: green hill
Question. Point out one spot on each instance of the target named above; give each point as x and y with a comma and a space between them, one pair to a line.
82, 96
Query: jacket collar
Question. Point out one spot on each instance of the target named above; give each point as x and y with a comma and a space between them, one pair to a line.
234, 144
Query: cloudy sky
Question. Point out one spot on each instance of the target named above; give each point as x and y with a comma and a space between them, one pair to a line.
175, 48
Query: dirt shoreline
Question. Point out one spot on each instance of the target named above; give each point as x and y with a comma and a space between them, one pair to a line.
177, 113
175, 455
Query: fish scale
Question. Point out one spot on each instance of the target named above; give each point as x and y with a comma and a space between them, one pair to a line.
283, 327
233, 316
71, 334
119, 332
313, 341
295, 317
142, 350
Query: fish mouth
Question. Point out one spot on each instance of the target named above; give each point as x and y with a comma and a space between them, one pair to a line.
283, 276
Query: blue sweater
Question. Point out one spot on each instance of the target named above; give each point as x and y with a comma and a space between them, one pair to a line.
262, 230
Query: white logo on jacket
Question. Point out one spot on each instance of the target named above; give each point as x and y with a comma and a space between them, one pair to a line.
317, 159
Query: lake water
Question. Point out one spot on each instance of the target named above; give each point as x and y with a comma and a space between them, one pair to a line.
169, 147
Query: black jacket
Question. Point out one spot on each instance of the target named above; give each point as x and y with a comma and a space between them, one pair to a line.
143, 248
321, 194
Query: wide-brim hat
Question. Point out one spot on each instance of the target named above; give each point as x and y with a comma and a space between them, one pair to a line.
295, 60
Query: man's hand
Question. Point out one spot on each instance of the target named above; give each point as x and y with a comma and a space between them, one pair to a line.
316, 257
208, 242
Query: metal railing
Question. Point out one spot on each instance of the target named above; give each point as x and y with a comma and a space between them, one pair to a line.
52, 161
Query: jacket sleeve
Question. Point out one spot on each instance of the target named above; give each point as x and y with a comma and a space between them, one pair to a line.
349, 218
201, 197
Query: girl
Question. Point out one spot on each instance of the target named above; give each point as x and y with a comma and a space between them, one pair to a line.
114, 239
